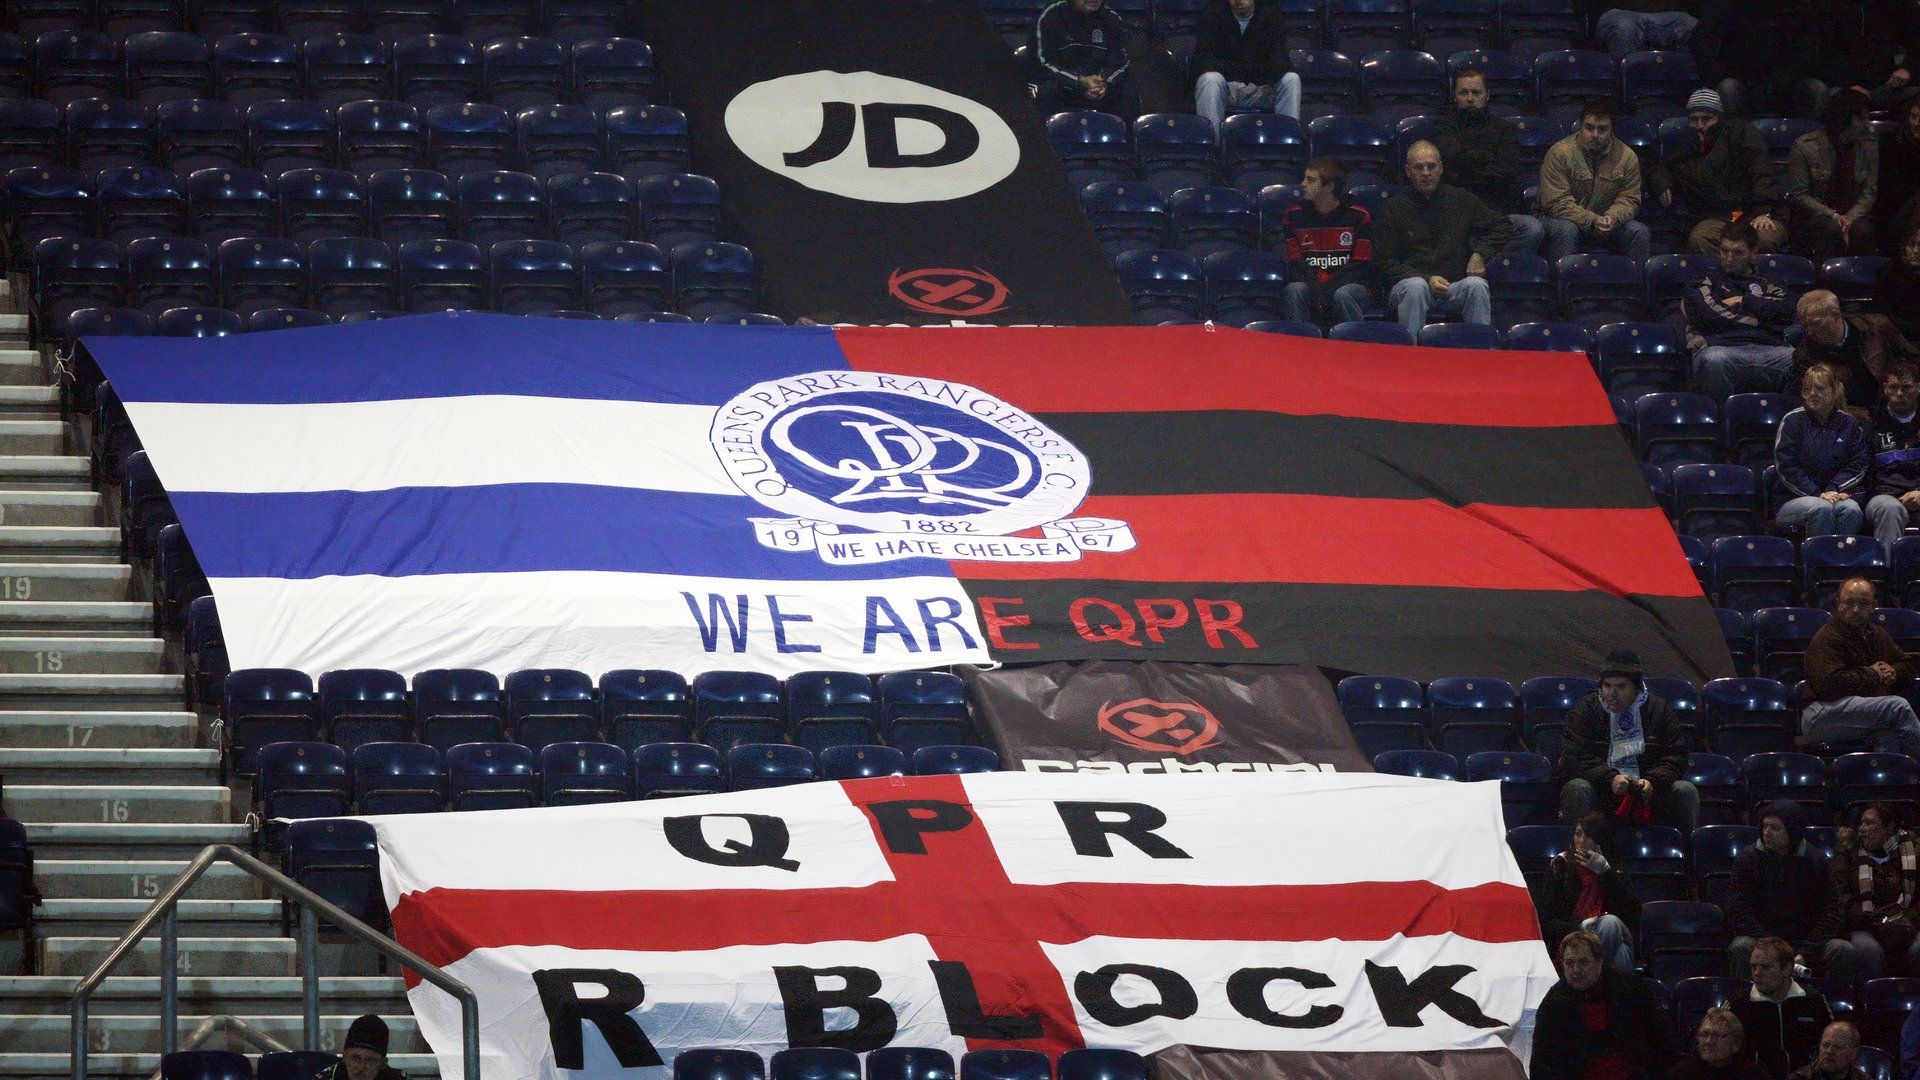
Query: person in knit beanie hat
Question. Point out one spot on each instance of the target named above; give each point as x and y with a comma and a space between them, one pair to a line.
1782, 888
1623, 752
363, 1053
1722, 174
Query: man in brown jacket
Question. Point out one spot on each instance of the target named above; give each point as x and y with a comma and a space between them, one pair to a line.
1860, 347
1590, 190
1833, 179
1852, 666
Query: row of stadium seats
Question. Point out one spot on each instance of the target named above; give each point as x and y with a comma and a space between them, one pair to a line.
563, 19
1749, 574
274, 136
191, 321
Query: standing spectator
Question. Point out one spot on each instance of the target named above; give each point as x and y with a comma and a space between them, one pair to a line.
1717, 1045
1634, 25
1833, 175
1858, 347
1434, 241
1081, 48
1783, 1019
1895, 490
1329, 248
1590, 190
1624, 741
1878, 869
1241, 58
1852, 668
1722, 175
1738, 314
1836, 1058
1820, 455
1482, 155
1896, 205
1598, 1022
1897, 292
1587, 888
1782, 889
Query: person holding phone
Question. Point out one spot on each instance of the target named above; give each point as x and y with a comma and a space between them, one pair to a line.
1588, 889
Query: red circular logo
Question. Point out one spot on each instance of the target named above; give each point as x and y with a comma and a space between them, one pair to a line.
948, 292
1178, 727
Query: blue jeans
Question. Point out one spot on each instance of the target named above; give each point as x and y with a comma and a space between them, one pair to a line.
1821, 517
1887, 722
1616, 945
1721, 370
1527, 234
1212, 93
1349, 302
1889, 516
1630, 238
1621, 32
1677, 807
1412, 299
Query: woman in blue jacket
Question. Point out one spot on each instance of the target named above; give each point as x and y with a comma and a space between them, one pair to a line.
1821, 452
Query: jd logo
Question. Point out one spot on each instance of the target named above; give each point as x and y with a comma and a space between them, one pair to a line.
1180, 727
872, 137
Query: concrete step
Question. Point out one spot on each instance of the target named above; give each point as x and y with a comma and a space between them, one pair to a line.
198, 956
46, 804
22, 367
140, 1066
114, 692
132, 839
90, 618
83, 656
41, 472
134, 730
13, 326
67, 509
27, 1034
33, 436
137, 880
93, 582
52, 995
54, 543
109, 766
29, 402
198, 918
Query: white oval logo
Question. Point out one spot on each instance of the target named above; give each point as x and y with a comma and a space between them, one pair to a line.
872, 137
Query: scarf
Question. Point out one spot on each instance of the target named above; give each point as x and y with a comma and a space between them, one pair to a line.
1590, 903
1908, 857
1626, 739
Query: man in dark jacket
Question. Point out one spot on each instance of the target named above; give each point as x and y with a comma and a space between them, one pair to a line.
1852, 667
1434, 241
1329, 248
1895, 485
1080, 46
1838, 1056
363, 1054
1623, 743
1782, 888
1860, 347
1721, 175
1783, 1019
1599, 1021
1739, 317
1481, 152
1240, 58
1896, 205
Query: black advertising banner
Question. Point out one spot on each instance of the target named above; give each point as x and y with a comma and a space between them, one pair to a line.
1118, 716
884, 161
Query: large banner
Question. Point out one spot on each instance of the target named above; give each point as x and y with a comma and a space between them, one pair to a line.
1312, 913
464, 490
1153, 718
884, 161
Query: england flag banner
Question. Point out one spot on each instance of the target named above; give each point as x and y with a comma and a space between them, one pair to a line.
1312, 913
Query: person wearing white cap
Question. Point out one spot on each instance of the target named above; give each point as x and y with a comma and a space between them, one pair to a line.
1719, 176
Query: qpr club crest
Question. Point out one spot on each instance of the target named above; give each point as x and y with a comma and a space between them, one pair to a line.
868, 467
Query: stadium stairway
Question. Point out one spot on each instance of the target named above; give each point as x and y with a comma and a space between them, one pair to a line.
115, 780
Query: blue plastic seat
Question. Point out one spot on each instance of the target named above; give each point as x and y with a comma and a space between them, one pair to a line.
133, 202
1522, 288
581, 773
547, 705
678, 208
456, 705
1780, 639
1717, 777
254, 67
1537, 136
1904, 572
1745, 715
735, 707
1545, 701
1569, 77
645, 706
1329, 83
1473, 713
1362, 144
814, 1063
1796, 777
1444, 27
106, 133
1902, 624
1652, 83
648, 140
305, 18
502, 206
1715, 501
360, 705
752, 766
440, 274
1426, 764
1397, 83
469, 137
145, 508
1373, 333
1260, 149
523, 72
533, 275
607, 72
1175, 150
1752, 421
1093, 146
858, 762
1245, 287
924, 708
954, 760
1286, 327
1670, 276
1126, 215
1682, 939
75, 63
1005, 1065
910, 1063
712, 277
1358, 27
267, 319
199, 134
1748, 573
1676, 428
31, 134
491, 776
1779, 135
592, 207
261, 272
1090, 1063
1385, 712
669, 769
485, 20
1638, 358
1884, 1007
398, 778
16, 67
180, 578
1737, 631
170, 271
167, 65
1162, 284
436, 69
44, 203
339, 859
1792, 272
411, 204
286, 135
1462, 336
299, 780
831, 708
99, 322
72, 272
1876, 777
320, 203
344, 67
717, 1064
377, 135
350, 273
261, 706
1655, 860
625, 278
557, 139
1526, 782
1826, 561
1600, 288
1412, 129
199, 322
572, 21
1207, 220
1853, 279
204, 1065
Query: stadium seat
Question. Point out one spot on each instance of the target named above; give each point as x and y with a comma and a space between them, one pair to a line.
1752, 420
1737, 630
76, 63
361, 705
18, 893
261, 272
1005, 1065
144, 506
1597, 289
1533, 846
1207, 220
1526, 782
625, 278
470, 137
548, 705
344, 67
1568, 77
1329, 83
573, 21
295, 1065
668, 769
559, 139
1653, 82
1670, 276
924, 708
524, 72
1742, 716
641, 706
339, 859
1545, 701
261, 706
711, 277
580, 773
1175, 150
1853, 279
1681, 939
109, 133
1363, 145
16, 67
254, 67
1876, 777
593, 207
1693, 997
135, 202
611, 72
1715, 501
321, 203
735, 707
814, 1063
1385, 713
204, 1065
1285, 327
570, 313
1471, 713
286, 135
1162, 284
1655, 860
1537, 136
485, 20
1428, 764
1259, 149
717, 1064
1676, 428
1878, 1064
379, 135
298, 780
1522, 288
860, 762
1884, 1007
954, 760
909, 1063
72, 272
177, 572
1375, 333
678, 208
648, 140
411, 204
1826, 561
1716, 848
1780, 639
1793, 272
223, 203
1396, 83
439, 274
167, 65
1902, 624
491, 776
436, 69
532, 275
305, 18
1091, 1063
1641, 358
398, 778
350, 273
1128, 215
831, 708
458, 705
1904, 572
752, 766
1779, 135
1245, 287
31, 134
1800, 778
1462, 336
1748, 573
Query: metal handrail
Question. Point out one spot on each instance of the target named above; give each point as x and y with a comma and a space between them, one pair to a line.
165, 911
232, 1025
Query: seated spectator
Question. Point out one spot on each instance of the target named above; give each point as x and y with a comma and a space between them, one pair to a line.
1624, 742
1080, 46
1588, 889
1896, 205
1839, 1050
1738, 316
1782, 889
1329, 249
1717, 1045
1896, 294
1241, 59
1722, 175
1482, 155
1434, 241
1598, 1021
363, 1053
1833, 176
1820, 455
1878, 871
1636, 25
1853, 666
1783, 1019
1894, 490
1590, 190
1859, 347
